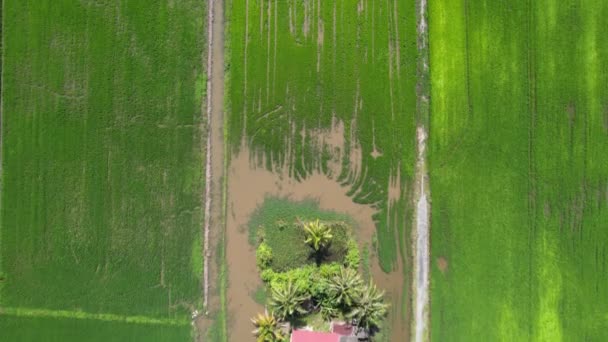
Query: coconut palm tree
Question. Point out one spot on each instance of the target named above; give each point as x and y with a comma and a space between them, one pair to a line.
267, 328
369, 308
345, 287
286, 300
318, 235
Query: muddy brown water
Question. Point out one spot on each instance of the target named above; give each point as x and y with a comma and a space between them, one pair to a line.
248, 186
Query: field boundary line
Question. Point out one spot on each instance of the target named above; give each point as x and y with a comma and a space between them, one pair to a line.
207, 199
214, 171
2, 47
422, 217
532, 181
107, 317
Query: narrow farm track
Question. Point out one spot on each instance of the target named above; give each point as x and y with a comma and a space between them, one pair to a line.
421, 233
215, 150
1, 125
421, 247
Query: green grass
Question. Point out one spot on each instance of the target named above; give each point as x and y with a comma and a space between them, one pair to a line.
260, 295
278, 99
276, 222
26, 329
102, 152
316, 322
519, 167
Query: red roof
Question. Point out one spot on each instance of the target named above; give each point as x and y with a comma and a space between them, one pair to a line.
313, 336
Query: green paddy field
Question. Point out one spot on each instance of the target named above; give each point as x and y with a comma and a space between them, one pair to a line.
519, 170
312, 84
102, 160
296, 67
94, 330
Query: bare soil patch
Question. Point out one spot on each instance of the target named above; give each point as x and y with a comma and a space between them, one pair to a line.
442, 263
395, 187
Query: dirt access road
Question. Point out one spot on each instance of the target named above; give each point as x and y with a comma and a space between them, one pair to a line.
422, 196
215, 138
213, 107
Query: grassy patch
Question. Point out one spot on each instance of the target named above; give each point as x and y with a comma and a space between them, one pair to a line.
365, 266
260, 295
276, 221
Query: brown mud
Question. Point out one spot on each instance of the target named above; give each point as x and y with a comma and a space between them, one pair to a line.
442, 263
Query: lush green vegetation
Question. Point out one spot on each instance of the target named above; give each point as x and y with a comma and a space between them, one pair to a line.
296, 67
31, 329
519, 170
101, 160
278, 223
316, 279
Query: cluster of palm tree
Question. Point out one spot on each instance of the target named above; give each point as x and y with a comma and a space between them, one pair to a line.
369, 308
339, 292
345, 294
362, 302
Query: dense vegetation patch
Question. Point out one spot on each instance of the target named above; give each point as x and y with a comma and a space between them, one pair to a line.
284, 240
278, 225
310, 270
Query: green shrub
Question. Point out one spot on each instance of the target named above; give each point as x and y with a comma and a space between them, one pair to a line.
263, 256
301, 277
329, 270
353, 257
310, 279
267, 275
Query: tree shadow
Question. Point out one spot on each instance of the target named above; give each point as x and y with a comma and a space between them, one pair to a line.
320, 256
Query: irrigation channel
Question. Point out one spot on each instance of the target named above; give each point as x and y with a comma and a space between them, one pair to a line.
421, 240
